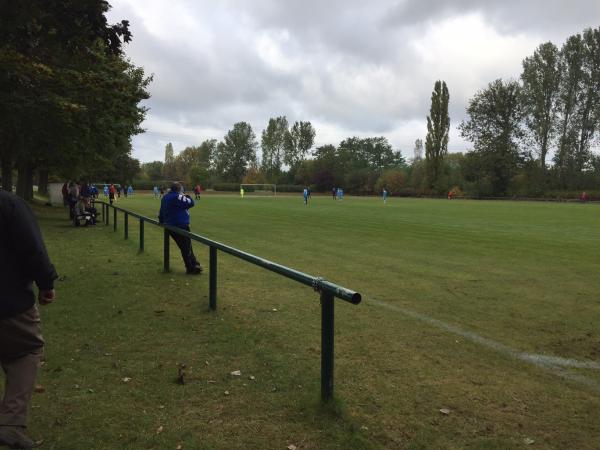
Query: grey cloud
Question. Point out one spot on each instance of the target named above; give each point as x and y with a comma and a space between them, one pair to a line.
205, 82
549, 16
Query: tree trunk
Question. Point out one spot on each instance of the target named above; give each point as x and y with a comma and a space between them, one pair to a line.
7, 180
43, 182
25, 181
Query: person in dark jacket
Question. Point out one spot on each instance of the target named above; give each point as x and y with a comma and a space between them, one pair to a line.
174, 211
23, 262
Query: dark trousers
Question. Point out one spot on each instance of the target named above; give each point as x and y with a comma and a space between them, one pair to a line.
185, 246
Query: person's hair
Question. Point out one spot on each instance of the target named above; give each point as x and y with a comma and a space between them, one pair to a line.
176, 187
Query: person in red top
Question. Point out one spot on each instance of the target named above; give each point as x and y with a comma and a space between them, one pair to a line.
197, 191
111, 193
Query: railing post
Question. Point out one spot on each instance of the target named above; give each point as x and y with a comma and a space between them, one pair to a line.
141, 234
126, 225
166, 250
213, 278
114, 219
327, 321
106, 218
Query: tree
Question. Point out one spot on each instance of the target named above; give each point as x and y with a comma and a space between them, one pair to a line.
438, 126
236, 152
153, 170
418, 151
494, 127
64, 84
299, 140
571, 66
169, 169
273, 147
541, 82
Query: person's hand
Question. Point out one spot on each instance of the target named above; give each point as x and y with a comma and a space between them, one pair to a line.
46, 296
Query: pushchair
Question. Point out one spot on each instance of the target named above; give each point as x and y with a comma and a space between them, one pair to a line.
84, 213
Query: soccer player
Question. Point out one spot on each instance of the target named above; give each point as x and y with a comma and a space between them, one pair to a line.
385, 195
334, 193
242, 192
130, 190
305, 195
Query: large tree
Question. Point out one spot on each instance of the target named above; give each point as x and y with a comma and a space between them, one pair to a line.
541, 82
273, 147
236, 152
299, 140
69, 101
438, 127
494, 127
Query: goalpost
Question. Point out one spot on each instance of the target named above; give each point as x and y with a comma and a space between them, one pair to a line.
259, 190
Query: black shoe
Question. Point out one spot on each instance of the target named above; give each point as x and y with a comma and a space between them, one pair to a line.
14, 437
194, 271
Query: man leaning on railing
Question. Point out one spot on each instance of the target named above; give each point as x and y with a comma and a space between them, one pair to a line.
174, 211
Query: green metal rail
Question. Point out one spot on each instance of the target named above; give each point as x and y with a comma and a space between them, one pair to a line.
328, 291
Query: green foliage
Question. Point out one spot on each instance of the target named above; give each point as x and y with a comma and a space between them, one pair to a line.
298, 141
494, 127
541, 83
438, 127
234, 155
229, 187
65, 85
273, 142
393, 180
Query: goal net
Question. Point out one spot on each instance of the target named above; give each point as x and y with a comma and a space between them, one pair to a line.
259, 190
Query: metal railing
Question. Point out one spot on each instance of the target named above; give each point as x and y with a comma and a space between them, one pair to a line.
328, 291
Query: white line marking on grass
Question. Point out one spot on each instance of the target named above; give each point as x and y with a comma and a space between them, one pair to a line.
553, 364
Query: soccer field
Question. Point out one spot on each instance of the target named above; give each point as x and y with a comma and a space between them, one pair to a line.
489, 311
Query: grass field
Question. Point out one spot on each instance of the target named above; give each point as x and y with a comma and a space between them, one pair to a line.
489, 310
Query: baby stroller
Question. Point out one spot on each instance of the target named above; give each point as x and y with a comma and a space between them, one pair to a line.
84, 213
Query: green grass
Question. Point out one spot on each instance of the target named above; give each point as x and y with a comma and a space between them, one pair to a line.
521, 274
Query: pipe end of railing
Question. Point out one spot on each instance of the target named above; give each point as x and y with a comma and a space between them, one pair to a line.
356, 298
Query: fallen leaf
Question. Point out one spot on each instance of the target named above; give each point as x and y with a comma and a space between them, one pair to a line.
226, 392
236, 373
291, 447
364, 427
274, 309
528, 441
179, 447
445, 411
159, 430
252, 377
126, 380
39, 388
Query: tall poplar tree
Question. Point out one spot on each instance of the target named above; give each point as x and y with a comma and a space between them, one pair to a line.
541, 82
438, 127
273, 147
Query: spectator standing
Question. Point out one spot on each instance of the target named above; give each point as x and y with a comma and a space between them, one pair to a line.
174, 211
23, 261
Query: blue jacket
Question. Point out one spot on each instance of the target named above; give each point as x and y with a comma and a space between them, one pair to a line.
174, 209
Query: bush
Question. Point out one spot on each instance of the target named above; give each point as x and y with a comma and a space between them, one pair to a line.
289, 188
227, 187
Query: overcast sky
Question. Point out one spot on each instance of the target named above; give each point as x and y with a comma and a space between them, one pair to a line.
351, 67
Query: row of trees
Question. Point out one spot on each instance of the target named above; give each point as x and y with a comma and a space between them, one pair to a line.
553, 109
514, 125
69, 99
